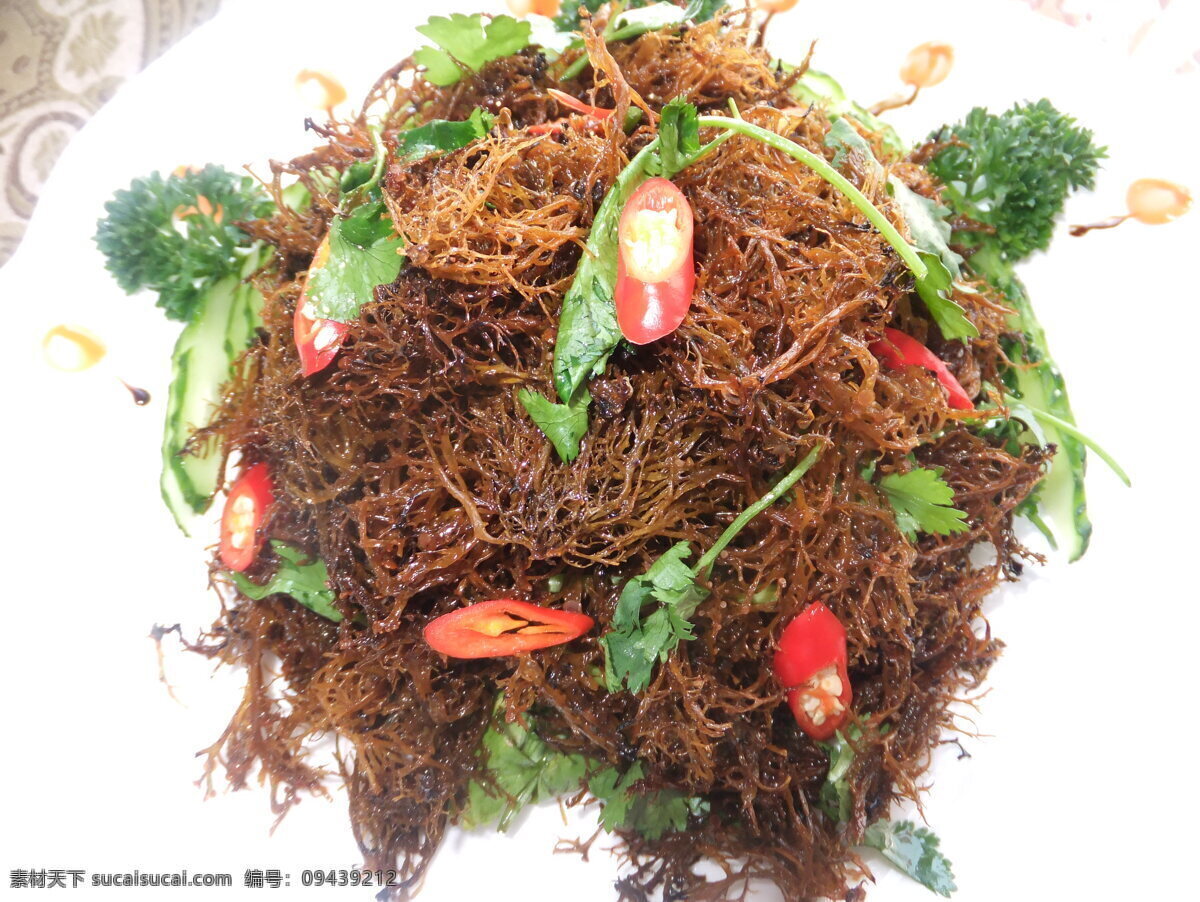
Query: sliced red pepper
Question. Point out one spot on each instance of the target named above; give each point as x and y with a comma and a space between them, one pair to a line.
493, 629
317, 340
572, 103
898, 350
656, 272
811, 662
245, 509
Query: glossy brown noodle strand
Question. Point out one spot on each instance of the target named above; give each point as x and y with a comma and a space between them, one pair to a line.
411, 469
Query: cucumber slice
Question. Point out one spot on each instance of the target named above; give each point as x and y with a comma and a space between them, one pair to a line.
201, 364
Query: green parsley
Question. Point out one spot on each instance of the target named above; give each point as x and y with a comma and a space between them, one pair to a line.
914, 850
468, 41
304, 579
1012, 173
634, 644
177, 235
923, 502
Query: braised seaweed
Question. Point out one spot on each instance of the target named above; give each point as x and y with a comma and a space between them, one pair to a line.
413, 471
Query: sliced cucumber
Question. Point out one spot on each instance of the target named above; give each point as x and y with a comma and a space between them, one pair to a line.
201, 364
1040, 384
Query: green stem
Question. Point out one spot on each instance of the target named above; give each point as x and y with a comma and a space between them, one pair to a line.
822, 167
620, 34
1071, 430
704, 565
380, 159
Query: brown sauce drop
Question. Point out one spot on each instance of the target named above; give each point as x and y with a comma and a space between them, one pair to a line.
141, 397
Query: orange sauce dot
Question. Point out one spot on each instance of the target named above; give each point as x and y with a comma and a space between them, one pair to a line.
319, 90
521, 8
1155, 201
72, 348
775, 6
927, 65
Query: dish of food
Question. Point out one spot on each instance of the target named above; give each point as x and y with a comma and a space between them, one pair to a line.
617, 413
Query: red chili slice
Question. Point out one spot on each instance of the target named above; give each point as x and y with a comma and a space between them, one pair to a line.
898, 350
572, 103
656, 272
811, 662
317, 340
245, 509
493, 629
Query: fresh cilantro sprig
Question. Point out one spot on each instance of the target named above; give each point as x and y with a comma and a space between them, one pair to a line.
468, 41
364, 249
178, 235
304, 578
923, 502
522, 769
635, 643
927, 227
651, 814
443, 135
564, 424
914, 850
637, 18
835, 798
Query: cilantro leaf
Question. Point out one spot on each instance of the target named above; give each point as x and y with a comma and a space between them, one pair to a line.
651, 814
523, 768
934, 290
835, 798
848, 144
927, 228
364, 251
177, 235
633, 644
564, 424
304, 579
927, 224
678, 137
914, 850
823, 90
469, 41
443, 135
923, 502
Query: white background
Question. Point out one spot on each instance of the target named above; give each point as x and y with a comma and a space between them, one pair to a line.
1083, 787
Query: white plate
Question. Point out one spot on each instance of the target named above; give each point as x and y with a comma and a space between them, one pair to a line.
1084, 788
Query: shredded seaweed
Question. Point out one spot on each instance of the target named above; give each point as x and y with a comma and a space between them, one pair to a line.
413, 471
